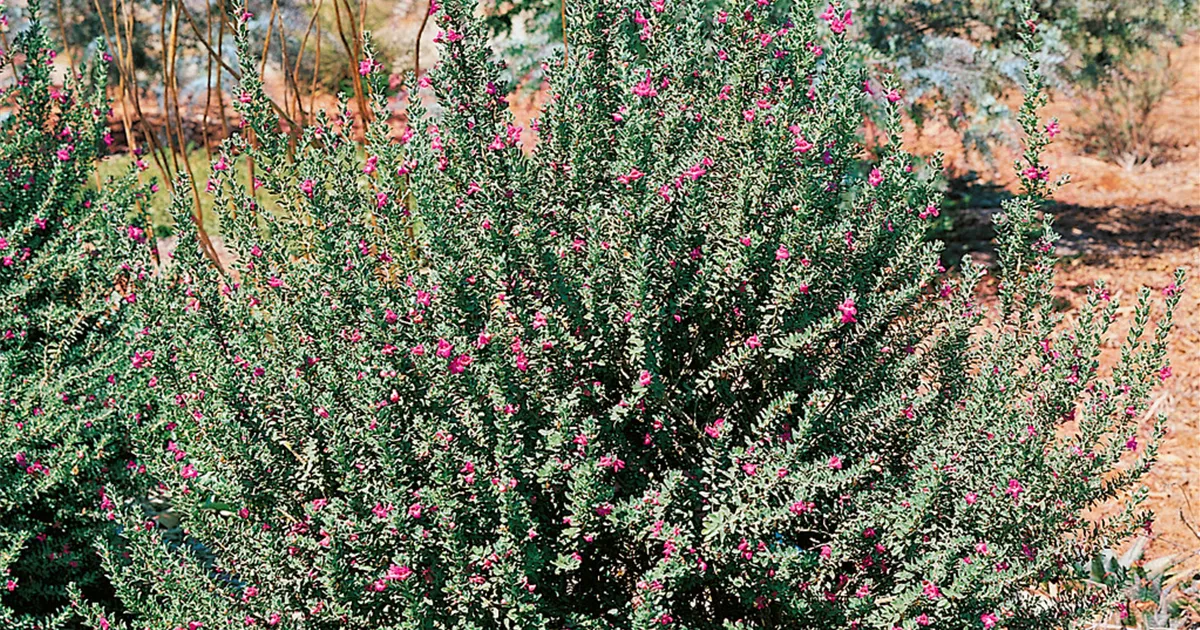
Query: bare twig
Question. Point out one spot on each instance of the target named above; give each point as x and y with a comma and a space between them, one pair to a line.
420, 32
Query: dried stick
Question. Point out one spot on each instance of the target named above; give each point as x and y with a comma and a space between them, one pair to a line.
417, 47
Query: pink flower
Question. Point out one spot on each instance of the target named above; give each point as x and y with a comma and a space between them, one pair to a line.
835, 462
782, 253
414, 510
460, 364
142, 359
444, 349
800, 507
1035, 173
971, 498
1014, 488
645, 87
633, 176
1052, 129
989, 620
189, 472
398, 572
875, 178
306, 187
848, 310
753, 342
611, 461
644, 379
931, 590
837, 24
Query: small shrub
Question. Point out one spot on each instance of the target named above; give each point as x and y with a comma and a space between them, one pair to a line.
1122, 123
689, 362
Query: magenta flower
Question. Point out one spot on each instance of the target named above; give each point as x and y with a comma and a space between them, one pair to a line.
645, 87
398, 572
848, 310
875, 178
460, 364
142, 359
611, 461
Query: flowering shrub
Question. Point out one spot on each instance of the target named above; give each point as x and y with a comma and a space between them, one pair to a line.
687, 362
956, 58
60, 308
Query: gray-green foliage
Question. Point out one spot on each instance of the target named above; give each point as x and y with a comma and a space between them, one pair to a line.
62, 249
688, 362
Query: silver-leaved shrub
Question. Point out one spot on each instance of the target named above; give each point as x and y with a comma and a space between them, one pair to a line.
66, 265
679, 355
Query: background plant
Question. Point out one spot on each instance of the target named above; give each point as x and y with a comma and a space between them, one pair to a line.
1123, 123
